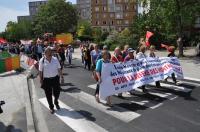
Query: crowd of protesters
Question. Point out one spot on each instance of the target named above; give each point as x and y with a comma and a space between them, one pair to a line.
93, 58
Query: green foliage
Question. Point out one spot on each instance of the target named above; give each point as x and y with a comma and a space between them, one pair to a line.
169, 18
17, 31
57, 16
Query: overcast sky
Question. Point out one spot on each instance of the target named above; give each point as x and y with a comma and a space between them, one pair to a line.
10, 9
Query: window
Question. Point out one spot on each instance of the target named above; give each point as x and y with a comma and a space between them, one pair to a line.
112, 22
126, 7
126, 14
104, 22
96, 9
111, 15
118, 8
119, 16
104, 15
97, 15
126, 22
97, 22
119, 22
104, 8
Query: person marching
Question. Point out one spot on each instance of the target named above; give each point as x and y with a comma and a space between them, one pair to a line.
171, 50
50, 73
87, 57
125, 51
61, 52
105, 59
153, 55
116, 58
94, 54
140, 55
69, 52
130, 57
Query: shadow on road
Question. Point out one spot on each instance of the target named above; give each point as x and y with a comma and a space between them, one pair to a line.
80, 114
9, 128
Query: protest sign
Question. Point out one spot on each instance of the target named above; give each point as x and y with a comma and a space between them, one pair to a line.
122, 77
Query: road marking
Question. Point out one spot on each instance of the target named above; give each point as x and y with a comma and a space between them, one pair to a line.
176, 88
148, 104
162, 95
192, 79
93, 86
74, 119
120, 113
174, 98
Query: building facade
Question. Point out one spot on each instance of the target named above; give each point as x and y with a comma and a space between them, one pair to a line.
24, 18
34, 7
113, 14
84, 9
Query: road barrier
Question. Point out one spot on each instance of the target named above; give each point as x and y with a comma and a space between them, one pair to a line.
9, 62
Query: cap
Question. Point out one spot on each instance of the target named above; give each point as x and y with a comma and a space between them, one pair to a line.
105, 47
130, 50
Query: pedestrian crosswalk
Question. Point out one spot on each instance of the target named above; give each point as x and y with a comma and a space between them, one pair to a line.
79, 122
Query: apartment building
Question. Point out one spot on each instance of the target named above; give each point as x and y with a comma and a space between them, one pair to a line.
84, 9
33, 9
113, 14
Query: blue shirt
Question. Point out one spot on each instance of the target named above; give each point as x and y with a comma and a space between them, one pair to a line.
94, 55
99, 65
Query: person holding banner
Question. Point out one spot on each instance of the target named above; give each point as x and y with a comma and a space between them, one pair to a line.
130, 55
105, 59
125, 51
142, 55
171, 50
153, 55
117, 58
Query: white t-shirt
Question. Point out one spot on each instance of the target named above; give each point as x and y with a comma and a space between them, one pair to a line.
50, 69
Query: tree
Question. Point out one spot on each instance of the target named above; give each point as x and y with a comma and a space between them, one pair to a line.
17, 31
84, 30
57, 16
168, 17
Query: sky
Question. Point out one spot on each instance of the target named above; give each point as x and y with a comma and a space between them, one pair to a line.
10, 9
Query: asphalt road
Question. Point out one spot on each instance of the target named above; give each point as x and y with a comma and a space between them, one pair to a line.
168, 109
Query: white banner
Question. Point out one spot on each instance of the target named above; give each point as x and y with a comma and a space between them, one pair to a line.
122, 77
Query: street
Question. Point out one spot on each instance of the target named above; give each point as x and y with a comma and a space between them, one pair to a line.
168, 109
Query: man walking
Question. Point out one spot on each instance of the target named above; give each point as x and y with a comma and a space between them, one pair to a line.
50, 70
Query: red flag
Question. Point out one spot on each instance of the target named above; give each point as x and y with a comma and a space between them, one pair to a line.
148, 35
2, 40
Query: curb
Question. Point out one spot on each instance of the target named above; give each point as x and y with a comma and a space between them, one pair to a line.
38, 117
29, 112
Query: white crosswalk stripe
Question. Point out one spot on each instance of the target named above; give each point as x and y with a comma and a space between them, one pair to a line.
153, 104
78, 122
73, 119
173, 87
120, 113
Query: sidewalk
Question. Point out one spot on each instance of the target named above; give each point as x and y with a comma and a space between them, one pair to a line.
190, 65
17, 116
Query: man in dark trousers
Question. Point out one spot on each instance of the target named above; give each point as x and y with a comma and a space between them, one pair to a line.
50, 73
